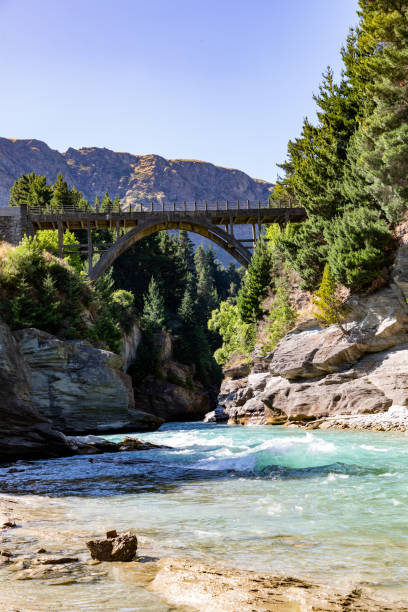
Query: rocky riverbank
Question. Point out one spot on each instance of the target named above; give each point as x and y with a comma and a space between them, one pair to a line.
30, 557
321, 377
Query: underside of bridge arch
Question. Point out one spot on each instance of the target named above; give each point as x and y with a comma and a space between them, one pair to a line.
147, 228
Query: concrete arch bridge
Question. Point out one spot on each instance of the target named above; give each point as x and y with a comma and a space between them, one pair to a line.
214, 220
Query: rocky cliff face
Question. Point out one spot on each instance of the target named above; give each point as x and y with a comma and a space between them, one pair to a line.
176, 395
50, 387
318, 376
133, 178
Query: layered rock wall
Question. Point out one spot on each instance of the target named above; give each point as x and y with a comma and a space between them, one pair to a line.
81, 389
319, 376
50, 387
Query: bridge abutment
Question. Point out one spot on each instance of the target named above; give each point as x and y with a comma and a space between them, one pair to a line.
14, 224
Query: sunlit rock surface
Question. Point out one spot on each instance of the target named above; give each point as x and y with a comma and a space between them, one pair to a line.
320, 373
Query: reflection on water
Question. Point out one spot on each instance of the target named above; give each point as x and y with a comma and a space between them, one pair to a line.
331, 506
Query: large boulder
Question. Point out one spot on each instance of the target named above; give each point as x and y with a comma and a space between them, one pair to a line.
81, 389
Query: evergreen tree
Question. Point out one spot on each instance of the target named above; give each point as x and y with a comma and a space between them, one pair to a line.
315, 164
154, 315
381, 144
61, 197
188, 307
255, 283
20, 191
30, 190
206, 291
106, 204
360, 245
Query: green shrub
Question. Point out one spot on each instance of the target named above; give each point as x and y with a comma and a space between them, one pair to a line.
282, 319
237, 335
330, 309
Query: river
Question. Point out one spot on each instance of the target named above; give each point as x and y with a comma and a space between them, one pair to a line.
329, 506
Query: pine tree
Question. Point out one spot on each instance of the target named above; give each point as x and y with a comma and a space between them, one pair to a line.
188, 307
206, 290
154, 315
106, 204
61, 197
359, 246
255, 283
381, 144
20, 191
330, 310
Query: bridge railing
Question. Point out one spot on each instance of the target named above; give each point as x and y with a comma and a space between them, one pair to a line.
164, 206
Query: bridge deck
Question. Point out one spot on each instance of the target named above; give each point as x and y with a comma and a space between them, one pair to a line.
226, 216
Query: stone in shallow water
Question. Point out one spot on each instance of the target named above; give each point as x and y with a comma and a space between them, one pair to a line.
120, 548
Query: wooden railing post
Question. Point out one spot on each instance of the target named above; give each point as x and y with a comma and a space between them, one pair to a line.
195, 205
152, 206
216, 205
248, 204
185, 206
174, 207
90, 248
206, 206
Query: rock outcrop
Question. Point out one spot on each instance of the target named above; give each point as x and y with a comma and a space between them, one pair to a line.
321, 375
134, 178
81, 389
24, 431
50, 387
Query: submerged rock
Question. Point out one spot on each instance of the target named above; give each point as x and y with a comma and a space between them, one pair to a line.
115, 548
204, 587
134, 444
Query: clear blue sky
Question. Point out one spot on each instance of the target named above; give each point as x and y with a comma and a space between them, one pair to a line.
226, 81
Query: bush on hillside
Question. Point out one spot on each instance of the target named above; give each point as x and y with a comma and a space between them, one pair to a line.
39, 290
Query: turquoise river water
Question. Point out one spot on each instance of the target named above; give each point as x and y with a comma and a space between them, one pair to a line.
327, 505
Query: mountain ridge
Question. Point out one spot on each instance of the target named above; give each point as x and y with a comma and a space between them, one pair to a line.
132, 177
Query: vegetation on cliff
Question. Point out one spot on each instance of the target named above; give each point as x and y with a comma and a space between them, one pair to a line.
349, 171
39, 290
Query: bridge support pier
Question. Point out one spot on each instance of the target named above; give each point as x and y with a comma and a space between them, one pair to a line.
60, 239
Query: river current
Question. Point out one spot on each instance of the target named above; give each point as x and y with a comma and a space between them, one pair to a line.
331, 506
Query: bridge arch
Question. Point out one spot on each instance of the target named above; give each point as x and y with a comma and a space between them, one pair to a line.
151, 226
